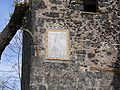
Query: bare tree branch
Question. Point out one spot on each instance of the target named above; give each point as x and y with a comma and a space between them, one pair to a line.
13, 26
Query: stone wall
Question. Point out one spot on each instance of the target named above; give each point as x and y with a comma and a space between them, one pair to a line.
94, 43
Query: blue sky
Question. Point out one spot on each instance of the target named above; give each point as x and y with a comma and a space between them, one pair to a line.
6, 8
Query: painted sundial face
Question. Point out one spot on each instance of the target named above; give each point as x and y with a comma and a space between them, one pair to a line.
57, 44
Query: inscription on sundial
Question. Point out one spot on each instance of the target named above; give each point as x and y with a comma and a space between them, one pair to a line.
57, 44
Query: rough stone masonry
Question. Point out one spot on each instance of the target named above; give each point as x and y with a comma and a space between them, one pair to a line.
94, 41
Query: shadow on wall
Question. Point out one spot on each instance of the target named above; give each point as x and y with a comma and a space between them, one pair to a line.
116, 77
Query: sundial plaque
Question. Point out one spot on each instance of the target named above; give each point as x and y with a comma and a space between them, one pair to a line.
57, 46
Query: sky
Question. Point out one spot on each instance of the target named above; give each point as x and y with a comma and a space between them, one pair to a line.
9, 58
6, 8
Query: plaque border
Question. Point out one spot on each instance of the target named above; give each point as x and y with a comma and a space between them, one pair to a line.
67, 46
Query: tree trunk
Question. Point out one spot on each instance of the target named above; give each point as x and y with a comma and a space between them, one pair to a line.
13, 26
